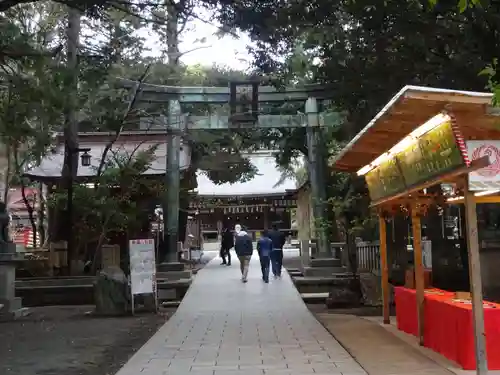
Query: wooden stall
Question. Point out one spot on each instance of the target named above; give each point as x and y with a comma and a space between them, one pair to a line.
418, 140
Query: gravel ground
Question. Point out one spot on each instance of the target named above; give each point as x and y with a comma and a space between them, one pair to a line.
67, 341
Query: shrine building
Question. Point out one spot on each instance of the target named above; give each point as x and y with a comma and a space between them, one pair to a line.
254, 204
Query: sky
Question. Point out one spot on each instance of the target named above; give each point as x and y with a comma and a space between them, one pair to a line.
227, 51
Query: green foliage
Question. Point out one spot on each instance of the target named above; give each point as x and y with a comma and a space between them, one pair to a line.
301, 176
30, 87
366, 51
112, 204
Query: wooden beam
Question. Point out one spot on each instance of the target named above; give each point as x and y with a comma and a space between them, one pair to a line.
448, 97
407, 201
384, 268
481, 199
358, 153
418, 270
475, 280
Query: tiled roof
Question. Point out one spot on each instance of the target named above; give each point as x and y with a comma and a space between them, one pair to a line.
264, 181
51, 166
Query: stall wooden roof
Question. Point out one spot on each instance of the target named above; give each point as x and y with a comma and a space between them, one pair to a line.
411, 107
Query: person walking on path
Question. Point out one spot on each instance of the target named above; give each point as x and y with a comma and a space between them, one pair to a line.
244, 248
264, 248
226, 245
278, 239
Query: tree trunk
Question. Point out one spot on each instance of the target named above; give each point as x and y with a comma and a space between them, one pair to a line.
172, 32
30, 210
70, 168
41, 215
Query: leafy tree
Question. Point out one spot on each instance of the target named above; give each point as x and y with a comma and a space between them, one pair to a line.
115, 204
30, 103
366, 50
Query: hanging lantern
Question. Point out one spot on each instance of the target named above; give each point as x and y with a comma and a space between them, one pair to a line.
85, 157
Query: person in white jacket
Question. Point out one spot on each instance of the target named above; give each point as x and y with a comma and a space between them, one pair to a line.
243, 247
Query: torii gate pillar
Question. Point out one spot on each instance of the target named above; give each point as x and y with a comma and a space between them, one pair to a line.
316, 172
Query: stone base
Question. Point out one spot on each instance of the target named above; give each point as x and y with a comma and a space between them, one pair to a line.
172, 290
170, 266
174, 275
323, 271
320, 284
371, 289
8, 300
342, 297
326, 262
11, 305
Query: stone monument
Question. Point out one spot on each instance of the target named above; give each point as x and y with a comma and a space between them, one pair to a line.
111, 292
10, 305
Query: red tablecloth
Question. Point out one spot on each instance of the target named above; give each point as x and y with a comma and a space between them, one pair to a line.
448, 326
406, 308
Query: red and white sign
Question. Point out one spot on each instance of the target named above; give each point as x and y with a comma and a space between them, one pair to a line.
487, 178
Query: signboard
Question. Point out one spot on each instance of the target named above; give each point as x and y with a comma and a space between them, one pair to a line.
385, 180
142, 266
431, 155
487, 178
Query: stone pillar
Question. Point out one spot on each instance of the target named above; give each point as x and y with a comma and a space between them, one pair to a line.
305, 252
316, 172
7, 280
10, 305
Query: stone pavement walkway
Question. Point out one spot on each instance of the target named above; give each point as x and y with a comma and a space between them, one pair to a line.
377, 349
225, 327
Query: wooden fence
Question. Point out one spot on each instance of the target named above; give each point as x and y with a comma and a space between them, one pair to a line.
368, 256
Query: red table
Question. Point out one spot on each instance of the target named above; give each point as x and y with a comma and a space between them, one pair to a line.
448, 327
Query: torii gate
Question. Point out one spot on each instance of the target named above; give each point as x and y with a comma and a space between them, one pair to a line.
244, 99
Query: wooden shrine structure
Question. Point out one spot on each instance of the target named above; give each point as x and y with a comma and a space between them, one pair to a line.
416, 141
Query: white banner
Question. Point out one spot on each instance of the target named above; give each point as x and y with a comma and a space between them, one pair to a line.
427, 254
142, 266
487, 178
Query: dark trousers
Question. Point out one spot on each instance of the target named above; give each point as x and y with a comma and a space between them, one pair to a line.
277, 261
225, 253
264, 266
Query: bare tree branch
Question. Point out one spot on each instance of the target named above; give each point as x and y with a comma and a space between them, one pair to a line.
130, 107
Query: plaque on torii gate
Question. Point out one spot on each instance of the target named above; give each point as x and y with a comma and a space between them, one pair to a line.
244, 98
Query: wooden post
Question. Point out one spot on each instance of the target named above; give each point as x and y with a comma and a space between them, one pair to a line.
419, 270
475, 280
266, 217
384, 268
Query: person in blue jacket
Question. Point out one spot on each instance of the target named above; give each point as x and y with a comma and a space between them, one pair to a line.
278, 238
264, 248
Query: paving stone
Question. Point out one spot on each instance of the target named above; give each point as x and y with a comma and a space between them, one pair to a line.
225, 327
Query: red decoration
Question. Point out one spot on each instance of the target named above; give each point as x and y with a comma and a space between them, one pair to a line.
494, 155
459, 139
448, 326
